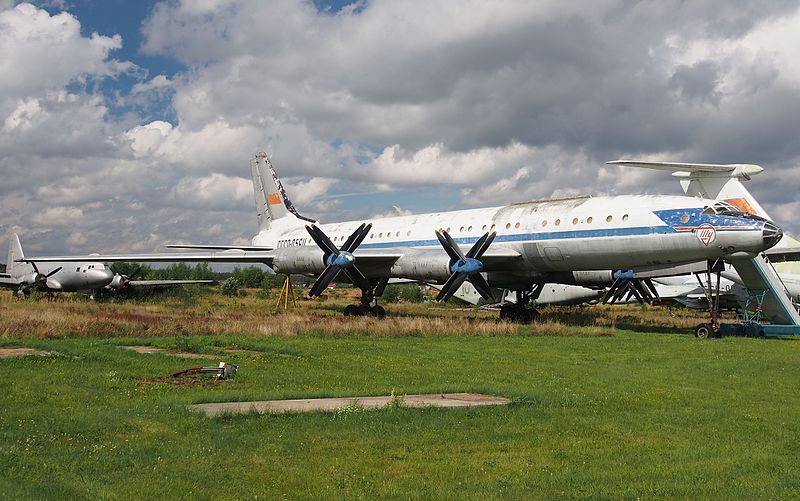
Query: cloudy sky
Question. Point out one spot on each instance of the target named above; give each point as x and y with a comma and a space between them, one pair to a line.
125, 125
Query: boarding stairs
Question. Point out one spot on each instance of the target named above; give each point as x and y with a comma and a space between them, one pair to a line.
764, 283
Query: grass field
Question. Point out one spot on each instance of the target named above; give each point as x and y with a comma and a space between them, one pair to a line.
607, 404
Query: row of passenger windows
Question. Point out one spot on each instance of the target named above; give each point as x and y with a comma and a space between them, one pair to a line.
544, 223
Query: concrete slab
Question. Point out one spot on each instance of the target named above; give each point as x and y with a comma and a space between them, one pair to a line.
149, 350
20, 352
447, 400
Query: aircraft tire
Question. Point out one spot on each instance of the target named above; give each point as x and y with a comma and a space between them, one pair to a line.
363, 310
378, 311
350, 310
704, 331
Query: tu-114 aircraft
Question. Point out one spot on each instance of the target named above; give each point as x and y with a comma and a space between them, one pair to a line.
518, 246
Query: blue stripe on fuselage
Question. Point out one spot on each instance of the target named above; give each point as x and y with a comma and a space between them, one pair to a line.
525, 237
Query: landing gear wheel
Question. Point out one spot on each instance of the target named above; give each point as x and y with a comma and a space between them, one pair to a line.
377, 311
351, 310
518, 314
363, 310
531, 315
704, 331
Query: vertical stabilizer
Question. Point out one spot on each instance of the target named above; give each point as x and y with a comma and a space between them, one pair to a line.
272, 203
14, 253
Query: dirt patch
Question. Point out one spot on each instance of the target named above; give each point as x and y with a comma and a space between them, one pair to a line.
149, 350
183, 382
21, 352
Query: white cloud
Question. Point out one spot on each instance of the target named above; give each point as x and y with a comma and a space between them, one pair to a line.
215, 191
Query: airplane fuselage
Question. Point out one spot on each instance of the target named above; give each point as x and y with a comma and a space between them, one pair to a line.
551, 236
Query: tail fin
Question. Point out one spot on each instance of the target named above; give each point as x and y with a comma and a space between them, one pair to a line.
272, 203
14, 253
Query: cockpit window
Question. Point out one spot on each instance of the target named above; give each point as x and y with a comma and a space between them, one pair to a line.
726, 209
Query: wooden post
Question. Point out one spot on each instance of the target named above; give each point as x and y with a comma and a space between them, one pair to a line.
286, 292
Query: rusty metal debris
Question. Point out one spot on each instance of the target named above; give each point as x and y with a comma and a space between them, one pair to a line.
222, 371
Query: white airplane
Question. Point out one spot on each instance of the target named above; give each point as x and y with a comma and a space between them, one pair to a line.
515, 247
24, 276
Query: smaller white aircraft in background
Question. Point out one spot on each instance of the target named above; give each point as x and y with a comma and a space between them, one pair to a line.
26, 277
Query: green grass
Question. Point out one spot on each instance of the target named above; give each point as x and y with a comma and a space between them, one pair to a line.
634, 415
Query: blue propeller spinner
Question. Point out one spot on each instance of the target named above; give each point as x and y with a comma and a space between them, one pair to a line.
465, 267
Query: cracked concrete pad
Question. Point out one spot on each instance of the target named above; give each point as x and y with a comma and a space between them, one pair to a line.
446, 400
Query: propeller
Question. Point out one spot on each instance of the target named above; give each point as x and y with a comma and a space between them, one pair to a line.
339, 259
465, 267
40, 278
642, 289
121, 280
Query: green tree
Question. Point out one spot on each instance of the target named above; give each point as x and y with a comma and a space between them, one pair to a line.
411, 294
136, 270
391, 294
230, 287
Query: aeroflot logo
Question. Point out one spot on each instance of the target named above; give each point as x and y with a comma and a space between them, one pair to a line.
706, 234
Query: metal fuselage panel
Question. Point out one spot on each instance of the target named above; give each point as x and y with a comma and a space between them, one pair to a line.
598, 233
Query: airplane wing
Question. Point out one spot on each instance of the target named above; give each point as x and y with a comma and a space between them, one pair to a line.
7, 282
228, 256
219, 247
166, 283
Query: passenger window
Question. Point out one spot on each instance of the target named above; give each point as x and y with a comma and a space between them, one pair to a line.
516, 226
508, 226
589, 220
625, 217
544, 223
685, 218
575, 220
609, 219
558, 222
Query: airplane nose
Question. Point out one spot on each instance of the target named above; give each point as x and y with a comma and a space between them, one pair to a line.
771, 234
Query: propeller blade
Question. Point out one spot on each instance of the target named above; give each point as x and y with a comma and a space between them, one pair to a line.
133, 275
453, 245
450, 251
53, 272
481, 286
451, 286
35, 268
327, 276
322, 240
355, 239
488, 238
650, 285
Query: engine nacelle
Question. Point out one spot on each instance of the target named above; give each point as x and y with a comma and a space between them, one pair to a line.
427, 268
118, 282
593, 277
306, 259
35, 279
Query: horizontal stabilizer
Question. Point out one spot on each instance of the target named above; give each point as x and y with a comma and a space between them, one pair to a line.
728, 170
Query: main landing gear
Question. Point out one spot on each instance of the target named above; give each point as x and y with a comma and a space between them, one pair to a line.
521, 311
366, 308
711, 329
